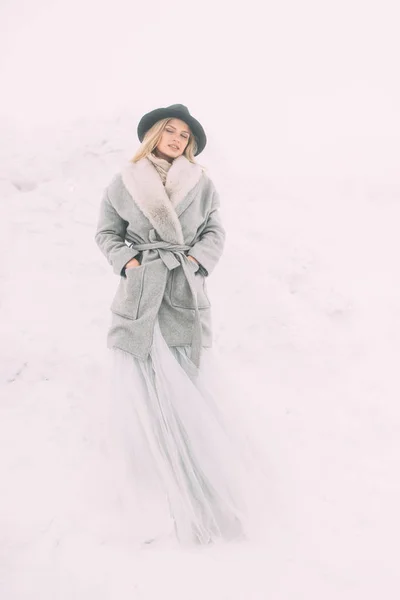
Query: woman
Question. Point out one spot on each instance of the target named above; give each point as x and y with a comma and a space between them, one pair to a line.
160, 229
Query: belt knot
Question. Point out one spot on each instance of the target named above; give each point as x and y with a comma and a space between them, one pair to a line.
172, 256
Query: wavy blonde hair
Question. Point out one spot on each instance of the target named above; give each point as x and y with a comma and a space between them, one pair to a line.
153, 136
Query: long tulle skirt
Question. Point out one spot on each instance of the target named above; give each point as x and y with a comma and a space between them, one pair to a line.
178, 446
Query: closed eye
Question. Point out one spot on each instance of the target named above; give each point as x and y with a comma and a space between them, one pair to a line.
185, 135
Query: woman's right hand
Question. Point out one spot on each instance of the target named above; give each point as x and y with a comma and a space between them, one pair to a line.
132, 263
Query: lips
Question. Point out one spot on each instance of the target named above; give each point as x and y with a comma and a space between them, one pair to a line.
173, 148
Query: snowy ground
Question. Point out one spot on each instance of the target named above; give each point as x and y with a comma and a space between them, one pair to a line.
317, 336
304, 149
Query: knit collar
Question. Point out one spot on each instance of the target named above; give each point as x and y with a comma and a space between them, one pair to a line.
161, 164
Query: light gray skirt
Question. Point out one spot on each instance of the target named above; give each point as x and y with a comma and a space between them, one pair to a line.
170, 421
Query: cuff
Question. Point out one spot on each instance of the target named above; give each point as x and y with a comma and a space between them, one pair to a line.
124, 256
201, 268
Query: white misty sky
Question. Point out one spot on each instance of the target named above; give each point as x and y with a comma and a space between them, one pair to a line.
307, 86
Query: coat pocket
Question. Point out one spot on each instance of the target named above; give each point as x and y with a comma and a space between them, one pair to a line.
179, 291
129, 292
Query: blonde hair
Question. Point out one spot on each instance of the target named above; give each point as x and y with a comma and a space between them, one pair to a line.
153, 136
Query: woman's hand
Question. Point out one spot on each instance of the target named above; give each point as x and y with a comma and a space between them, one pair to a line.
192, 258
132, 263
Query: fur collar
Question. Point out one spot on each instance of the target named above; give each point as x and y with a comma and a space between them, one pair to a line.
162, 205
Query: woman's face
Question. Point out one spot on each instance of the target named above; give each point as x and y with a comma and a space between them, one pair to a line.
174, 140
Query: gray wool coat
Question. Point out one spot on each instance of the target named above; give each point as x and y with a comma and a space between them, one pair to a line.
138, 218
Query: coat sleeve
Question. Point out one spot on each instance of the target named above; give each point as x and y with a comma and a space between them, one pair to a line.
208, 249
110, 236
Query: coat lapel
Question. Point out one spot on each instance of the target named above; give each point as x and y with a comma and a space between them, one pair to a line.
162, 206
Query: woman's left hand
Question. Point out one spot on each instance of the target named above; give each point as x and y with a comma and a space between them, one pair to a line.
192, 258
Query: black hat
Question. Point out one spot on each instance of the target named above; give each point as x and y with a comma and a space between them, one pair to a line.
179, 111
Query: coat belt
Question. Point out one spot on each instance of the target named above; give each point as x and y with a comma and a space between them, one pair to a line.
173, 255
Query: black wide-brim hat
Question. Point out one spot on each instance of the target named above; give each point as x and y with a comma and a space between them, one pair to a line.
179, 111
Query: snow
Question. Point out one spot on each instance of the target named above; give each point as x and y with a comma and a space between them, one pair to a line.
306, 297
